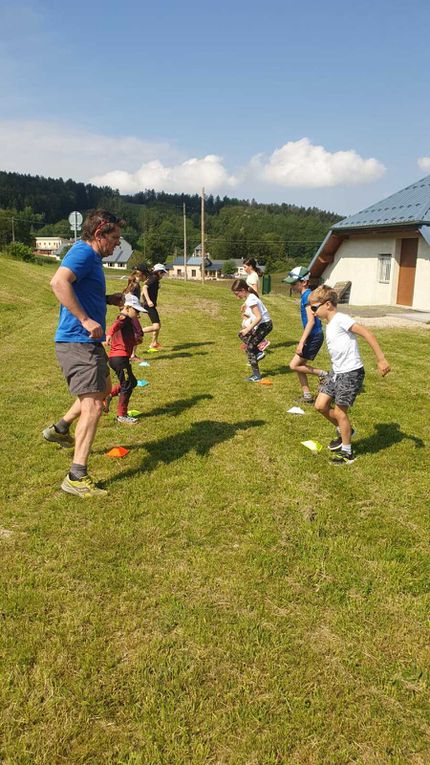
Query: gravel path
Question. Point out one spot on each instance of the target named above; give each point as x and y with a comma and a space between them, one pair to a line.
390, 322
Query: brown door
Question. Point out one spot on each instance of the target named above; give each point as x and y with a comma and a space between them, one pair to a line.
408, 264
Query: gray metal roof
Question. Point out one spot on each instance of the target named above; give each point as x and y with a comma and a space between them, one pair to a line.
410, 205
121, 254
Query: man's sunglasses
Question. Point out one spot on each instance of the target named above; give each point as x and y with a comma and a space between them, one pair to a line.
108, 219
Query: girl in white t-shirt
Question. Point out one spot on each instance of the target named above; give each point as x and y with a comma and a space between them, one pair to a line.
256, 324
253, 274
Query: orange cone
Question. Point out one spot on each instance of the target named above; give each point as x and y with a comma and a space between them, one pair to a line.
117, 451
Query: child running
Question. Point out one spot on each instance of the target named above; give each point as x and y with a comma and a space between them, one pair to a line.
312, 336
139, 274
120, 338
345, 379
257, 324
149, 298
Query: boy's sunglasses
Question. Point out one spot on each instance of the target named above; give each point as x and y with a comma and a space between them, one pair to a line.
314, 308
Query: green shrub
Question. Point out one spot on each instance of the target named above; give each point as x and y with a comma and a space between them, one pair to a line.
20, 251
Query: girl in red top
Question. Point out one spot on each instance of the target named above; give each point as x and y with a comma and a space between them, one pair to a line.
120, 338
138, 276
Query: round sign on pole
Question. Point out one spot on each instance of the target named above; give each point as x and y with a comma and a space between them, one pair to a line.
75, 219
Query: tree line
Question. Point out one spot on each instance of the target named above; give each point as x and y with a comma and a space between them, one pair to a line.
278, 235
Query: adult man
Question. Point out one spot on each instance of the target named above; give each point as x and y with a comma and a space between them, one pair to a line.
79, 285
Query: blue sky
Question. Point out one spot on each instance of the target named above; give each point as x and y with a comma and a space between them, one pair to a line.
311, 103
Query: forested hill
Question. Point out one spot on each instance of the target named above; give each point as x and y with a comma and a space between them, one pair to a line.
235, 228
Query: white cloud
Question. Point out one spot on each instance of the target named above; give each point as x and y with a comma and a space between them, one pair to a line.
424, 163
187, 176
300, 164
56, 149
63, 150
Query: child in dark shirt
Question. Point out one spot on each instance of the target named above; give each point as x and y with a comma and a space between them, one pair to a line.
120, 338
149, 299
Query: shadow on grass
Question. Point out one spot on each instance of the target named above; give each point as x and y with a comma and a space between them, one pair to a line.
184, 346
184, 355
283, 370
200, 437
175, 408
285, 344
386, 434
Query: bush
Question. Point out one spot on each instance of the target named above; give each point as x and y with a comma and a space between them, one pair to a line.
20, 251
229, 268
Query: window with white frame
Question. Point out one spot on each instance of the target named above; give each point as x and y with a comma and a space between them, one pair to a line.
384, 268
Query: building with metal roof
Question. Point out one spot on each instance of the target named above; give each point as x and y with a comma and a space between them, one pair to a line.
213, 268
120, 256
383, 251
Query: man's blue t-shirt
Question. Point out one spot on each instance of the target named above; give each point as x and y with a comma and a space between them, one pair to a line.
317, 328
90, 290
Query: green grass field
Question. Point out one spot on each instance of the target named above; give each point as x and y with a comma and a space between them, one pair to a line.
235, 600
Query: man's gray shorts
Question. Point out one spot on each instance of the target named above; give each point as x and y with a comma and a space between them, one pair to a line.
84, 365
343, 387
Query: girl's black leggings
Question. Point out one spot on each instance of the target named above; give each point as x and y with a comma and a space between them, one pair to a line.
253, 339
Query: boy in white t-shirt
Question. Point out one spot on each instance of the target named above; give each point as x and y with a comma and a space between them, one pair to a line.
256, 325
345, 379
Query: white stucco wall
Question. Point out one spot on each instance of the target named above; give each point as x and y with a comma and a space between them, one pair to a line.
357, 261
422, 277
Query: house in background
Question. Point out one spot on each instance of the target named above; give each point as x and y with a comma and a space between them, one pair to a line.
51, 245
213, 268
384, 251
120, 256
55, 245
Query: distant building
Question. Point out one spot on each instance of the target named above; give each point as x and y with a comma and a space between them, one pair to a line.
213, 268
54, 246
120, 256
383, 252
51, 245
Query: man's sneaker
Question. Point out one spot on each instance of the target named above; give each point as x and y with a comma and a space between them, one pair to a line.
337, 442
260, 355
106, 404
253, 378
263, 345
343, 458
127, 420
64, 439
84, 487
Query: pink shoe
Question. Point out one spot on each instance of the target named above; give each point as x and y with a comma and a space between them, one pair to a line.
263, 345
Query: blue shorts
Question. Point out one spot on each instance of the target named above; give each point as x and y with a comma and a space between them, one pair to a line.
312, 346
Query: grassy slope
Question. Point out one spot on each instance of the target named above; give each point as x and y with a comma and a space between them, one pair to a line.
235, 600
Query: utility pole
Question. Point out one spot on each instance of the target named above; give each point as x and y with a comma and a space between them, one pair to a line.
185, 242
13, 229
202, 222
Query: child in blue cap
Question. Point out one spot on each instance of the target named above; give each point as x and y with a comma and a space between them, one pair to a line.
312, 336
